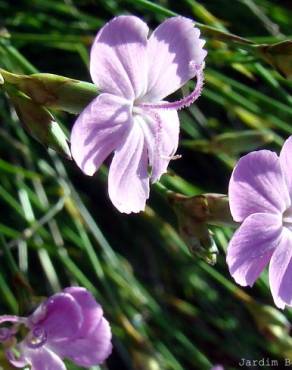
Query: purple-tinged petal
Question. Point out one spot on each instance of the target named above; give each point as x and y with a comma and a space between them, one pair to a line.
60, 317
20, 361
286, 163
161, 130
128, 180
257, 185
7, 333
98, 131
173, 50
91, 350
118, 60
91, 310
43, 359
252, 245
280, 271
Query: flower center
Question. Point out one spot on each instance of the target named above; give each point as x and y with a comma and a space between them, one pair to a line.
37, 337
136, 110
287, 218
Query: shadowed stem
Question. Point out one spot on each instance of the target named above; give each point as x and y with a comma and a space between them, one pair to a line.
22, 286
9, 257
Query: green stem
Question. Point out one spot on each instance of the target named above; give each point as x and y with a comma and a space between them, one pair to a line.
163, 190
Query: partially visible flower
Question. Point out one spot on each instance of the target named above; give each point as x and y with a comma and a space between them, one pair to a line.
68, 325
260, 195
130, 118
217, 367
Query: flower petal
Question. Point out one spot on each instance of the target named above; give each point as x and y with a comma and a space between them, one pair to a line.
280, 272
91, 350
60, 316
161, 130
286, 162
98, 131
252, 245
173, 50
257, 185
20, 361
43, 359
118, 62
91, 310
128, 178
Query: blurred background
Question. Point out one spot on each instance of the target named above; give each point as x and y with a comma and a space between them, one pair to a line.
169, 308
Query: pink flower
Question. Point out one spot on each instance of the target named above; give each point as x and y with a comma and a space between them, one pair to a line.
260, 192
130, 117
69, 325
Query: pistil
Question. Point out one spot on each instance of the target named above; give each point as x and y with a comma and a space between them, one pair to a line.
186, 101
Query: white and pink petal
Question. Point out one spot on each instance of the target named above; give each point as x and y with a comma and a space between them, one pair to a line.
286, 163
174, 49
257, 185
161, 130
43, 359
128, 180
118, 60
91, 311
280, 271
252, 246
91, 350
59, 317
99, 130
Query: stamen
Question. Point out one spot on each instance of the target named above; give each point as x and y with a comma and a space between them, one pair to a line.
158, 129
13, 318
287, 218
186, 101
172, 157
37, 337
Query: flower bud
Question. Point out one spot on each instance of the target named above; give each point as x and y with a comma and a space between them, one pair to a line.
198, 239
270, 321
232, 143
39, 122
145, 361
53, 91
279, 55
210, 208
216, 34
4, 34
194, 214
